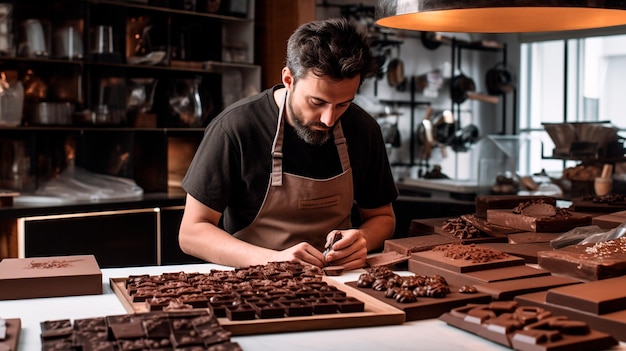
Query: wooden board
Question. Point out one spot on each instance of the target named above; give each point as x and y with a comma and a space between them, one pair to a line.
438, 258
376, 313
538, 224
427, 307
477, 277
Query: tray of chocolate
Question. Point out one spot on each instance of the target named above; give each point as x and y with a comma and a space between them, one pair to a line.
277, 297
527, 328
489, 271
592, 261
186, 330
10, 330
603, 204
539, 216
419, 296
600, 303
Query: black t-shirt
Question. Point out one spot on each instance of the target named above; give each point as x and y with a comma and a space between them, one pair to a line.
231, 169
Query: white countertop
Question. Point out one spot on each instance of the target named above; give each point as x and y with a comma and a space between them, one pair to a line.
430, 334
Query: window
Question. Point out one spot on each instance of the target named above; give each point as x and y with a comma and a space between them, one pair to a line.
568, 80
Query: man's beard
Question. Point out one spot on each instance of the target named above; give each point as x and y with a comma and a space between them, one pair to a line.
306, 131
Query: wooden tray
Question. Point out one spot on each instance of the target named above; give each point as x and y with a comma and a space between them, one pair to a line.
428, 307
376, 313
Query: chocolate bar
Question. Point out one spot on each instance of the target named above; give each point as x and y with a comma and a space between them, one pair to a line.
526, 328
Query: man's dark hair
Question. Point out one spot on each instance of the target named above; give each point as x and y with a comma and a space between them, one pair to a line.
332, 48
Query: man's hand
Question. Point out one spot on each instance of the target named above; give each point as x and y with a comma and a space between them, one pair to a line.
350, 251
303, 253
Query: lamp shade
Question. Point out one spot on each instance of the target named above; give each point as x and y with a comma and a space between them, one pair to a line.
499, 16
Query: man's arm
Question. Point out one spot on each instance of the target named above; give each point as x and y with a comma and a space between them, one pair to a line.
201, 237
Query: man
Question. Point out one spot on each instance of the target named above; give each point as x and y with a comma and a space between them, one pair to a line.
277, 174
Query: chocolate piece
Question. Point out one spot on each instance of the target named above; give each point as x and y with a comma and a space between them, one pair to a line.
297, 308
597, 297
350, 305
467, 289
587, 262
324, 306
240, 312
10, 330
269, 309
333, 270
131, 330
55, 329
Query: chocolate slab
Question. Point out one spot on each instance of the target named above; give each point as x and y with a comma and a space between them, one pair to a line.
389, 258
609, 221
508, 289
613, 323
575, 261
23, 278
406, 246
11, 333
532, 237
586, 205
438, 258
528, 251
427, 307
538, 224
426, 226
598, 297
510, 327
499, 202
477, 277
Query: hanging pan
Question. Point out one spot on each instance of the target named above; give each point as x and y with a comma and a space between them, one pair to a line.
499, 80
464, 87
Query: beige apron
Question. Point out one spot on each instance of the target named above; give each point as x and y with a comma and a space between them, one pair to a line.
296, 208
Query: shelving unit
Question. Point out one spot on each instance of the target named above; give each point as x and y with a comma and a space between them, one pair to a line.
216, 49
456, 60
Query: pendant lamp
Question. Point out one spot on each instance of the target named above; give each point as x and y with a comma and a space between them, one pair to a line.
499, 16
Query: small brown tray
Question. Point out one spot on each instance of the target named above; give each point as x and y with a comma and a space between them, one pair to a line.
427, 307
376, 313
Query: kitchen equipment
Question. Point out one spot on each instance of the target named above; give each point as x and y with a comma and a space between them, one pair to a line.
11, 99
103, 40
499, 80
34, 39
6, 29
464, 87
68, 43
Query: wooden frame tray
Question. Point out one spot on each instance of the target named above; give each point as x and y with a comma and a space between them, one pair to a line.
428, 307
376, 313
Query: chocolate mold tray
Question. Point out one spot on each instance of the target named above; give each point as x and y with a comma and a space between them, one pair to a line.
375, 313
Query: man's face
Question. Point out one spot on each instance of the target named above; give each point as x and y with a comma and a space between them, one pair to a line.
315, 104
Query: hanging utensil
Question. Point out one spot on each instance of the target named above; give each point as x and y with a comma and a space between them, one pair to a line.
464, 87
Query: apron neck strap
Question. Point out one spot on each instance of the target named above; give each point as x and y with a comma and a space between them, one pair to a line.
277, 146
